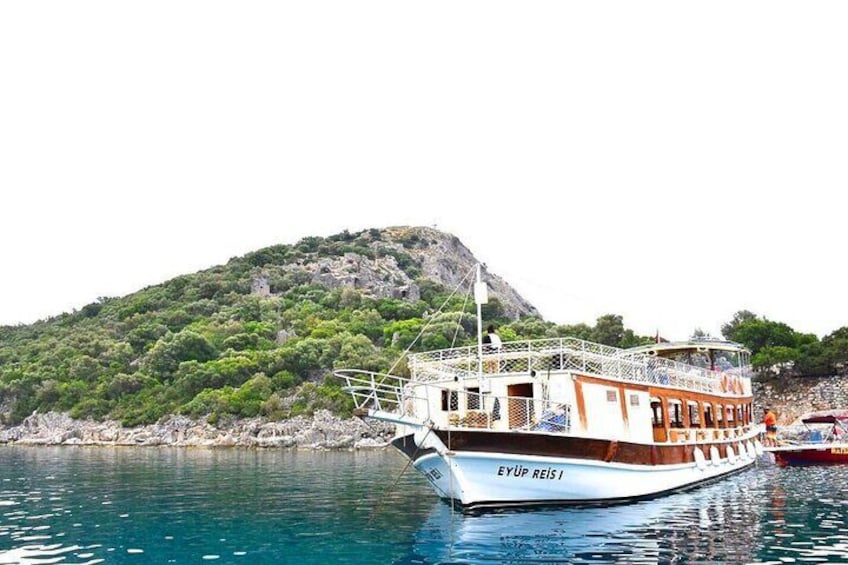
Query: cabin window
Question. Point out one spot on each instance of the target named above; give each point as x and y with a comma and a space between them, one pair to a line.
739, 415
657, 413
708, 415
694, 414
450, 400
612, 396
675, 414
634, 400
730, 411
719, 417
473, 398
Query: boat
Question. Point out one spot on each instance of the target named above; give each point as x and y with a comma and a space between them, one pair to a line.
566, 421
820, 447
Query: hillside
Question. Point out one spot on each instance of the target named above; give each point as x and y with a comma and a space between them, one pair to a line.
260, 336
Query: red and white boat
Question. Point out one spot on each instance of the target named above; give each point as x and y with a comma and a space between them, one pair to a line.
822, 447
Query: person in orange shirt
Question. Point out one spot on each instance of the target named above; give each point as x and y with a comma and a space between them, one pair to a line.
770, 421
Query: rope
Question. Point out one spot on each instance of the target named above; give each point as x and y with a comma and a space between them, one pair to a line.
418, 447
389, 490
430, 320
453, 498
461, 314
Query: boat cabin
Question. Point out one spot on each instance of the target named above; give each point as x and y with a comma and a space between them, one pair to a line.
693, 391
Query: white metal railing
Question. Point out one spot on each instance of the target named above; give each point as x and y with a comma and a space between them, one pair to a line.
414, 402
403, 400
572, 354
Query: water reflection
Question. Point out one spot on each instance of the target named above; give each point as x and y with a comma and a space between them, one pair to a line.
762, 515
83, 506
804, 515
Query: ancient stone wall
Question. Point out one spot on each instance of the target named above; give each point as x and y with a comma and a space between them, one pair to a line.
792, 398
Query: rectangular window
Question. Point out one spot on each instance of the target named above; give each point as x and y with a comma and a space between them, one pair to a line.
473, 398
675, 416
656, 413
612, 396
450, 400
634, 400
694, 415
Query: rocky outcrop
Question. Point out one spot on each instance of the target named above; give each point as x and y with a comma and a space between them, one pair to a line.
434, 255
322, 431
381, 277
792, 398
444, 258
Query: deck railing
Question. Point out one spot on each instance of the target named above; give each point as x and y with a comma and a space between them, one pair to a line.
411, 401
406, 401
572, 354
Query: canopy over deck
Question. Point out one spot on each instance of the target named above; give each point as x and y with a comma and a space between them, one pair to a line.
693, 345
826, 419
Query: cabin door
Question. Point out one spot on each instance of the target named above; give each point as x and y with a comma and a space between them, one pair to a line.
520, 410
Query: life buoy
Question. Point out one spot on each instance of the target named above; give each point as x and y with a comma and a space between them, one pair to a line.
749, 447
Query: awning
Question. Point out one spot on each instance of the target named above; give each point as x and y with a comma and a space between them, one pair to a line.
828, 419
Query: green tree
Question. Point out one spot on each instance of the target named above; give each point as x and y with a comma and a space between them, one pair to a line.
609, 330
729, 329
165, 357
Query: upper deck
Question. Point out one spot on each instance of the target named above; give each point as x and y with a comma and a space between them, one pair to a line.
645, 365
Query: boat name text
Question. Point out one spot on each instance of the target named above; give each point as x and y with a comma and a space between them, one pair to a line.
520, 471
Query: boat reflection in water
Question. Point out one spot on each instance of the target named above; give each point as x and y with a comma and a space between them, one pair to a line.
764, 515
716, 523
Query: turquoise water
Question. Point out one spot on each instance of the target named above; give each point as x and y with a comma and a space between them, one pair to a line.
147, 505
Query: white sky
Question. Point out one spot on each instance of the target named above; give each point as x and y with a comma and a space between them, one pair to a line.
672, 162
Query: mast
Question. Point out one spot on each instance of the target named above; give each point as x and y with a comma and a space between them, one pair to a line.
481, 296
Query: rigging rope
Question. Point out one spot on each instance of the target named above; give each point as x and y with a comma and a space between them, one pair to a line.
462, 313
418, 446
397, 479
430, 320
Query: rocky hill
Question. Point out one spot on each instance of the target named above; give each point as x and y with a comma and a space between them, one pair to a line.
390, 261
257, 337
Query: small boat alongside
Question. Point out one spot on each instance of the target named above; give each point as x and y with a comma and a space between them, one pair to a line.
566, 420
825, 446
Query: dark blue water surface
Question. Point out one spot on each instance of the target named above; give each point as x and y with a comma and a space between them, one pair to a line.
150, 505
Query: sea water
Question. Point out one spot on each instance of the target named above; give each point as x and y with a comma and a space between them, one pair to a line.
169, 505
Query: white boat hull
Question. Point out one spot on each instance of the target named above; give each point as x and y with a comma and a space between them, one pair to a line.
480, 479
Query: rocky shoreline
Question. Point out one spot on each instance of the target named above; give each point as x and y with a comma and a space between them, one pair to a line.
321, 431
790, 399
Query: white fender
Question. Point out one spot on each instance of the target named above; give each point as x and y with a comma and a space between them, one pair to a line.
750, 448
731, 455
714, 458
700, 460
758, 447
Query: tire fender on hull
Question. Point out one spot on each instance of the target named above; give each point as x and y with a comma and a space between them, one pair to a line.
700, 460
